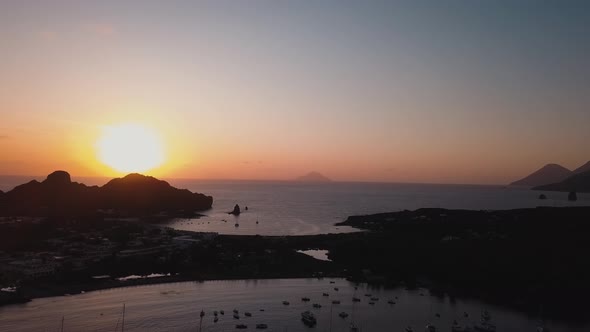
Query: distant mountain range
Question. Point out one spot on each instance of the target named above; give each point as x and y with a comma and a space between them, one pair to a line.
132, 195
313, 177
554, 177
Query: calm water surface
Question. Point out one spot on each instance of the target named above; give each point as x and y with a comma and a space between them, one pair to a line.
176, 307
291, 208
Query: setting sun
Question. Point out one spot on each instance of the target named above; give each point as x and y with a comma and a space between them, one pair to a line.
130, 148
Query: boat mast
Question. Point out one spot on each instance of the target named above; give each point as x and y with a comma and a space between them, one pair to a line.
123, 322
331, 306
62, 323
201, 321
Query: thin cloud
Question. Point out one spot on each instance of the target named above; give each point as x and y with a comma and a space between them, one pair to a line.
4, 137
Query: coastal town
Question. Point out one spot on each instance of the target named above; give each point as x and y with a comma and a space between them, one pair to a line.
77, 256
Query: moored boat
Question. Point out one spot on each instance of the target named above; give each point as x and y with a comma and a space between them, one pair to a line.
308, 318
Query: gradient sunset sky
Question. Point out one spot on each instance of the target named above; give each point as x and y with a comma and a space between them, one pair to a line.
408, 91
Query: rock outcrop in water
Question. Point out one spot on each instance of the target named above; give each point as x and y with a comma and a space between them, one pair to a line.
132, 195
236, 211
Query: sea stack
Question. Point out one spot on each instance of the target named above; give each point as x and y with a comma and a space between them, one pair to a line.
572, 197
542, 196
236, 211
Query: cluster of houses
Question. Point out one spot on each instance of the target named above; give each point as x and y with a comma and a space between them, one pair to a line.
83, 251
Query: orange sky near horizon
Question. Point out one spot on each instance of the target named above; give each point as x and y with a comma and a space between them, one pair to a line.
382, 92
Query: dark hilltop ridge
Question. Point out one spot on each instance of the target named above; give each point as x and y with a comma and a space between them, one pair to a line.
132, 195
579, 182
550, 173
313, 177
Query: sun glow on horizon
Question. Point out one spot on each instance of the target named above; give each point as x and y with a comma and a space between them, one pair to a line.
130, 147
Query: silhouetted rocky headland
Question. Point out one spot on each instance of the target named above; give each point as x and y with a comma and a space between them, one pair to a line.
579, 183
523, 258
132, 195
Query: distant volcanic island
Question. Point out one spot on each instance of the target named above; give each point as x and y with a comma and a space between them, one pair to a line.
313, 177
133, 195
554, 177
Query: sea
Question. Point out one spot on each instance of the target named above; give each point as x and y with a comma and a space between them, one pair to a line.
288, 208
293, 208
177, 307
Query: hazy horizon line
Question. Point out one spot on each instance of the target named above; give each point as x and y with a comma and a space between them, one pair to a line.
75, 178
